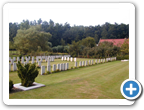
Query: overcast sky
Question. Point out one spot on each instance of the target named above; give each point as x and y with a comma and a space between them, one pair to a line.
85, 14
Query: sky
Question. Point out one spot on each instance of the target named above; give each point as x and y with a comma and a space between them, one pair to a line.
85, 14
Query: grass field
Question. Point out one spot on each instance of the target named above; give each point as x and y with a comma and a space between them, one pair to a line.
101, 81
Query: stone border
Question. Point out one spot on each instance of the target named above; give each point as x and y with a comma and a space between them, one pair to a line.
36, 85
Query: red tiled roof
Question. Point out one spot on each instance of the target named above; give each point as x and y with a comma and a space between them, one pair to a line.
116, 42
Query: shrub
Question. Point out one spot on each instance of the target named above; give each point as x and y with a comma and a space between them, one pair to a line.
27, 73
20, 56
10, 85
48, 72
57, 70
71, 67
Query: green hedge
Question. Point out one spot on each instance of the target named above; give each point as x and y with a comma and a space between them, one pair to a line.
122, 57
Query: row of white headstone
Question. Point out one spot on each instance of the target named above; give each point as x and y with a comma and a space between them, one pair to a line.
91, 62
60, 67
81, 63
68, 59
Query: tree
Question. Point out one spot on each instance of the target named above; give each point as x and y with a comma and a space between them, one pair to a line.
27, 73
62, 42
39, 21
29, 39
125, 47
13, 27
25, 25
88, 42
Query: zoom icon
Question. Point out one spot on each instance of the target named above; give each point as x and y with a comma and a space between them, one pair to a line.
131, 89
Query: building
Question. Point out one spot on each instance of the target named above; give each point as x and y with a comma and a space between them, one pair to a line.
116, 42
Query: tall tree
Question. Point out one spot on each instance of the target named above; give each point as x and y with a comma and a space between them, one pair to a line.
31, 39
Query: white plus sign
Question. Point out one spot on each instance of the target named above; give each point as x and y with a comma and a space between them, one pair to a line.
131, 89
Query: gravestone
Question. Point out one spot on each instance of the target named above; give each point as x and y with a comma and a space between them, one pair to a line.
74, 59
48, 65
39, 63
14, 67
67, 65
27, 60
86, 63
75, 64
18, 59
92, 62
58, 66
71, 59
42, 70
54, 67
80, 64
12, 61
89, 62
63, 66
62, 58
96, 61
67, 58
83, 63
32, 60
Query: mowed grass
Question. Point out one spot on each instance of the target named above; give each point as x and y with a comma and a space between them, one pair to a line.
100, 81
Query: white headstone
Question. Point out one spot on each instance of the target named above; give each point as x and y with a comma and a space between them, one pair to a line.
14, 67
14, 58
89, 62
96, 61
86, 63
92, 62
67, 65
32, 60
80, 64
75, 64
71, 59
58, 66
54, 67
12, 61
67, 58
62, 58
74, 59
39, 63
42, 70
63, 66
83, 63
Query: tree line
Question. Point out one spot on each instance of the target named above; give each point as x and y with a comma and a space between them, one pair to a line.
72, 33
31, 36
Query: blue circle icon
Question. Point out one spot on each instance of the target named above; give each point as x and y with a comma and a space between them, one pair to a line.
130, 89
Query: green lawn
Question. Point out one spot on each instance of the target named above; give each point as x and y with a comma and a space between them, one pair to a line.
100, 81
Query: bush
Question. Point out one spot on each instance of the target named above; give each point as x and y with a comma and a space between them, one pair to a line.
27, 73
126, 57
10, 85
57, 70
48, 72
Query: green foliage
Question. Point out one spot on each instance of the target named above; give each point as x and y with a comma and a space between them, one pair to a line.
88, 42
27, 73
10, 85
31, 39
57, 70
48, 72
